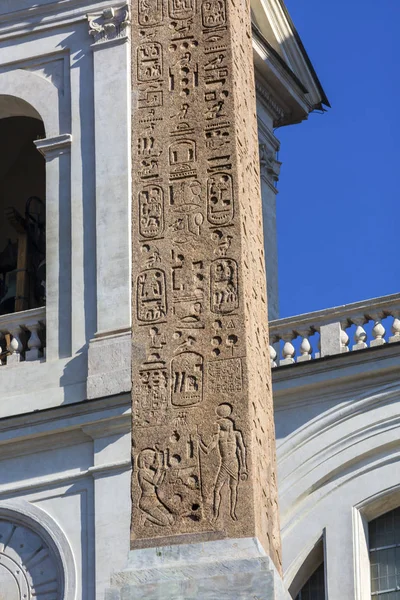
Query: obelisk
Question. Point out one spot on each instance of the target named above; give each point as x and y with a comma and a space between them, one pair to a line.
202, 430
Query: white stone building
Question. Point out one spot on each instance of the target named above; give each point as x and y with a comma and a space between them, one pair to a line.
65, 240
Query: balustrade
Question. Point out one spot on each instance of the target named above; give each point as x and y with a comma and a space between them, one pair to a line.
299, 339
22, 336
330, 329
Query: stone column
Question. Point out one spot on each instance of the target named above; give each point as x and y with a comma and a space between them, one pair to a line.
203, 433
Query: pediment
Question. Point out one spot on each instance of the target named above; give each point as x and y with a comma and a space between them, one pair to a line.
278, 45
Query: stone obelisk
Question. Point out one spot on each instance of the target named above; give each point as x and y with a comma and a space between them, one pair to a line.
202, 431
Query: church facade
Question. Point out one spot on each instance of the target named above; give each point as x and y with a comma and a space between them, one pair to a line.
65, 322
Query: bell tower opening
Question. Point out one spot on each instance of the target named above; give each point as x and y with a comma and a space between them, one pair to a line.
22, 215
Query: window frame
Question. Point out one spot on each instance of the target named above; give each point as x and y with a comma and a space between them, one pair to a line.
363, 513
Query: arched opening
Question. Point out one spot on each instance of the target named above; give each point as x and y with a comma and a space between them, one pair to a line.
22, 209
314, 588
309, 581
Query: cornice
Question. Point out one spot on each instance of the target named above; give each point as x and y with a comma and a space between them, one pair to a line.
112, 25
343, 375
273, 73
292, 51
41, 17
55, 146
270, 103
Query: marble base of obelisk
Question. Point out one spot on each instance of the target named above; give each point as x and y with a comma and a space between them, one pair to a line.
231, 569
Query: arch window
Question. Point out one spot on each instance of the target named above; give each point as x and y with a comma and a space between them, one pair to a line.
384, 552
22, 215
314, 588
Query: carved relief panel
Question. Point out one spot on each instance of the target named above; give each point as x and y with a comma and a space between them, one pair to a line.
191, 408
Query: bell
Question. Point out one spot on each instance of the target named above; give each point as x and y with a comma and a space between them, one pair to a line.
7, 302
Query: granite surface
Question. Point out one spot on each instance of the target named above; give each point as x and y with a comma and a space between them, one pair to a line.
203, 433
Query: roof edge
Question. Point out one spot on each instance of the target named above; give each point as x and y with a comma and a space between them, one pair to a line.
324, 98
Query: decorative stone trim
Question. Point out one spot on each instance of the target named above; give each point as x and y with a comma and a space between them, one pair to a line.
55, 146
18, 325
269, 166
330, 325
113, 24
271, 104
268, 148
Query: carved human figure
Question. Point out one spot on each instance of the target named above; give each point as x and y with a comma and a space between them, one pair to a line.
224, 285
151, 473
232, 452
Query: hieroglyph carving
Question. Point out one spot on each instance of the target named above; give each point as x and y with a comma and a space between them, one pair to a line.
151, 211
220, 199
151, 474
181, 9
224, 286
149, 62
232, 453
187, 379
225, 376
196, 272
169, 479
214, 14
151, 296
112, 24
150, 12
151, 393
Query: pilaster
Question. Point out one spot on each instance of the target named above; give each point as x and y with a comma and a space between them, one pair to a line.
269, 171
110, 31
57, 152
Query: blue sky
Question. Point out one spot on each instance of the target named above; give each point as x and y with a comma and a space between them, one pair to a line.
338, 201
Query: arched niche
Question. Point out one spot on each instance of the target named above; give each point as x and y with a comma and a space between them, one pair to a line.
22, 207
31, 95
307, 565
10, 106
27, 94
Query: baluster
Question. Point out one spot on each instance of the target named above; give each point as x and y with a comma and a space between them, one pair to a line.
305, 350
16, 346
378, 331
288, 352
360, 337
344, 340
395, 330
34, 343
273, 355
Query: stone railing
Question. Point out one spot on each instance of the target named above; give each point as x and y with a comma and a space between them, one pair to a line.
22, 336
328, 331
